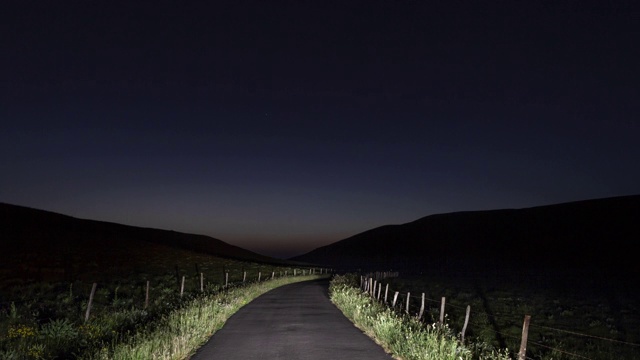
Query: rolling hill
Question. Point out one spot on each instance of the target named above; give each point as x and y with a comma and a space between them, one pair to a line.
585, 237
36, 242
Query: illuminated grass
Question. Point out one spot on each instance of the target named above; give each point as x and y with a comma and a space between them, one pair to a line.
402, 336
182, 332
47, 321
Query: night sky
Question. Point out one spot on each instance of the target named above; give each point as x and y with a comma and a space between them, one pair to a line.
281, 126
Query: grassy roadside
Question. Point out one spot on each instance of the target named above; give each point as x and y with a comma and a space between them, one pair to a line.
402, 336
180, 333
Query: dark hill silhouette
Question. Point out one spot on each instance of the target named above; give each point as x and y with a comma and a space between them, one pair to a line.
32, 238
585, 237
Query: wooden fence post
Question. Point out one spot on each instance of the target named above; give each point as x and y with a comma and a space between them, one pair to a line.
224, 271
421, 308
466, 322
244, 276
226, 279
146, 296
395, 297
442, 310
379, 291
182, 287
408, 297
273, 275
93, 291
386, 291
525, 334
259, 275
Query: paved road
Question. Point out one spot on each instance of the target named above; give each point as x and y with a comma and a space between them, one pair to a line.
292, 322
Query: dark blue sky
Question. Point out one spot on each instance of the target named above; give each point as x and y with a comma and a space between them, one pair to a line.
281, 126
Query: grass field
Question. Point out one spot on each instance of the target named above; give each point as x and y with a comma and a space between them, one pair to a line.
404, 336
46, 320
598, 319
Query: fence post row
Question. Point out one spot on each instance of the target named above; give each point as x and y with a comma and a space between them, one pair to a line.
368, 285
181, 282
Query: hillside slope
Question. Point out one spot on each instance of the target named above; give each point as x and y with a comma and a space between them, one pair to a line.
36, 240
591, 236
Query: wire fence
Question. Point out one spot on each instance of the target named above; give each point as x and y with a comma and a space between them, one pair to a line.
507, 328
177, 284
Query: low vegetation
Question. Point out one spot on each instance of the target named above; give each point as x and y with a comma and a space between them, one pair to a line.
181, 332
45, 320
571, 318
402, 336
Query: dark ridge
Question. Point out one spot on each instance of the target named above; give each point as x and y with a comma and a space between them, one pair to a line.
32, 238
584, 237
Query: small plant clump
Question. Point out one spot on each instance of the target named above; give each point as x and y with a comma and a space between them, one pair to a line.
402, 336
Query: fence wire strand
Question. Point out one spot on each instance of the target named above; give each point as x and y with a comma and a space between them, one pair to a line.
585, 335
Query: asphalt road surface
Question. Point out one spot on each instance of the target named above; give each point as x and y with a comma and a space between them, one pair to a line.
293, 322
